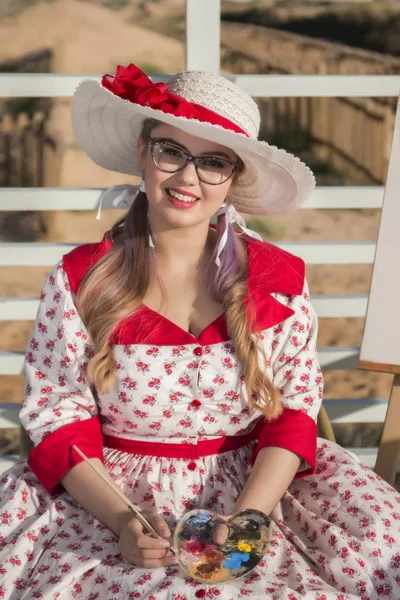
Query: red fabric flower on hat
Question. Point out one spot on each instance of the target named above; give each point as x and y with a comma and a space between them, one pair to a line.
130, 83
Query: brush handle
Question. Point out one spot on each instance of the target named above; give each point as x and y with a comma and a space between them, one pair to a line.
122, 497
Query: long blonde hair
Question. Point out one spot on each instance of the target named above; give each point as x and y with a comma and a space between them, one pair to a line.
116, 285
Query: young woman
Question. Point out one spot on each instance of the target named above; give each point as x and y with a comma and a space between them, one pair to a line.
180, 357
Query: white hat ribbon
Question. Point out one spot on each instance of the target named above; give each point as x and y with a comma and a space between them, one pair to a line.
125, 199
232, 216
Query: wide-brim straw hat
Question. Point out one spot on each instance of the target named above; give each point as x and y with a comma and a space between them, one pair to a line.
108, 119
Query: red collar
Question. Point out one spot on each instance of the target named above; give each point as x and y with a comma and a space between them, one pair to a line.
270, 271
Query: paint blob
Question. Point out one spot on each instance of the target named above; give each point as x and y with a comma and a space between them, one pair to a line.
204, 560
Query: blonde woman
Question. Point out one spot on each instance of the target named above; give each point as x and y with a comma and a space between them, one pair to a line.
180, 357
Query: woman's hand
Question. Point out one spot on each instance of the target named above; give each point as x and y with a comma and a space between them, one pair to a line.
139, 547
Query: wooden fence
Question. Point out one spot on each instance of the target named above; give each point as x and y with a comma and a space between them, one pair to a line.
353, 135
24, 144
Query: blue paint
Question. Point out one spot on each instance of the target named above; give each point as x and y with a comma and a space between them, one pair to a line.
234, 562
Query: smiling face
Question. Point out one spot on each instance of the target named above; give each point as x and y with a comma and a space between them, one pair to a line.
182, 199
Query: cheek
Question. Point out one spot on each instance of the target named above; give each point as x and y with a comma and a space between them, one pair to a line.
154, 178
217, 193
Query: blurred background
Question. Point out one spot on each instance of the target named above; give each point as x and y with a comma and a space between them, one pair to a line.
346, 141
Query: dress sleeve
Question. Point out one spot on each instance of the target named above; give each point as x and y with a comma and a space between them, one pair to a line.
298, 377
59, 407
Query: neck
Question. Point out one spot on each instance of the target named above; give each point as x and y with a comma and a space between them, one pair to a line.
184, 248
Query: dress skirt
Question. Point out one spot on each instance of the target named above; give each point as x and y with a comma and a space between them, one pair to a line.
336, 533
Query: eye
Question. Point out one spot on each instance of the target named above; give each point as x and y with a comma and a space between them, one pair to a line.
170, 150
214, 163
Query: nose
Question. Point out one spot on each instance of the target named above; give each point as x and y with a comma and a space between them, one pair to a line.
188, 175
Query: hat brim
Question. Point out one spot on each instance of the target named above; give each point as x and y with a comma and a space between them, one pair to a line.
108, 129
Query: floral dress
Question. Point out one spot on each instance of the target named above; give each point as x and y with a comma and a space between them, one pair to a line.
177, 433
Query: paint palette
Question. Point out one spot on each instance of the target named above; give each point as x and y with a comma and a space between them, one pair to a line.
204, 560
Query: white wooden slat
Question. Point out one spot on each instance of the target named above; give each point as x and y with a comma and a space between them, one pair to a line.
16, 199
18, 309
343, 197
35, 85
318, 85
203, 24
331, 358
333, 306
32, 254
24, 309
11, 363
356, 410
332, 253
313, 253
6, 462
9, 415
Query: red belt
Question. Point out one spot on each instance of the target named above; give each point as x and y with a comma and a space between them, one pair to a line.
184, 450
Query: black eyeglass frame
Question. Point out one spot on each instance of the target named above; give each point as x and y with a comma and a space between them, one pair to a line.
189, 158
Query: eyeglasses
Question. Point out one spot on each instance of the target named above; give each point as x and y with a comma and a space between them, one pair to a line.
210, 169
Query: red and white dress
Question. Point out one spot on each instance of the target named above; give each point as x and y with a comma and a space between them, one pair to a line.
177, 434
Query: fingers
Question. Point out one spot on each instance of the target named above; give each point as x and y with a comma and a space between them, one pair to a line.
145, 540
144, 549
152, 552
148, 551
153, 558
149, 563
159, 525
220, 534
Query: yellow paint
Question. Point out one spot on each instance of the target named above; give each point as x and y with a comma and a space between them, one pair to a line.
244, 547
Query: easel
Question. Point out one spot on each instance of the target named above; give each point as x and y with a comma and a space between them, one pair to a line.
381, 340
389, 447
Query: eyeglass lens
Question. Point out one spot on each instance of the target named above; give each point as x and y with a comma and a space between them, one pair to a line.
210, 169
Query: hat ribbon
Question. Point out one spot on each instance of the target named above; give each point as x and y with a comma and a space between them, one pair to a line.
130, 83
125, 199
232, 216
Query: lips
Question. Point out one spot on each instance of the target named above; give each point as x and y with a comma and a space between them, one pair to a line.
182, 195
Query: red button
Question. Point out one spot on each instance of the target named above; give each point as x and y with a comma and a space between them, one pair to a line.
196, 403
200, 593
192, 466
198, 351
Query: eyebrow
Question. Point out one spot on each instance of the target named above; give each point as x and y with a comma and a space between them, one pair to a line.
216, 153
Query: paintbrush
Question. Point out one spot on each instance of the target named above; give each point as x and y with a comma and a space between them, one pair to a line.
124, 499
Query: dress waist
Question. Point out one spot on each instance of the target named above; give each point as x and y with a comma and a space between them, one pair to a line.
184, 450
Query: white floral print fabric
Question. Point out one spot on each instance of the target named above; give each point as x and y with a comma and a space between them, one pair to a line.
336, 532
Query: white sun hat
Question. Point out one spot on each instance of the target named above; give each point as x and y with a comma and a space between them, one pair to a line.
108, 119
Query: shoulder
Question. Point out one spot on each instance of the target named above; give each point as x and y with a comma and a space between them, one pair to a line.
273, 270
80, 260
